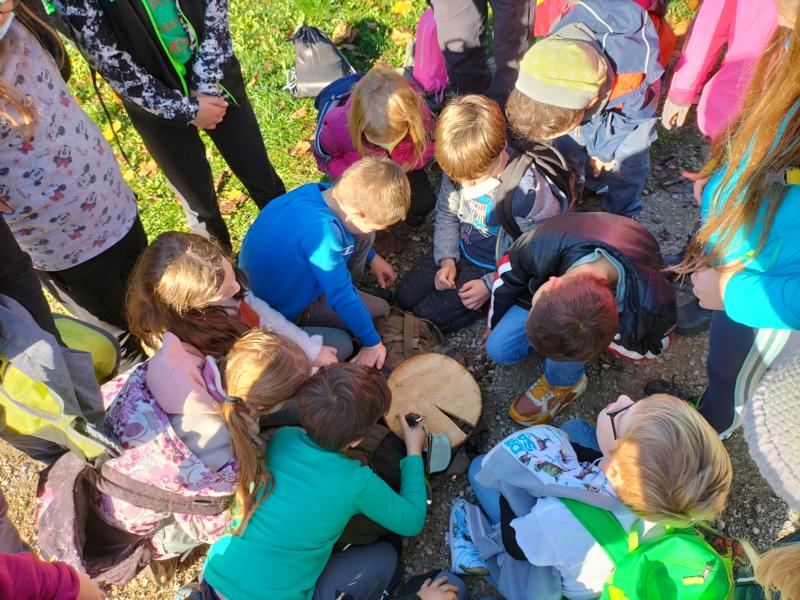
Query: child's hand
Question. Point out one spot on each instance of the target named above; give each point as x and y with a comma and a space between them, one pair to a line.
698, 186
383, 271
674, 114
326, 356
709, 287
414, 437
373, 356
438, 590
88, 590
598, 166
212, 111
474, 294
445, 278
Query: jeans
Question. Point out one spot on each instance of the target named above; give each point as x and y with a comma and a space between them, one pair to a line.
581, 432
508, 344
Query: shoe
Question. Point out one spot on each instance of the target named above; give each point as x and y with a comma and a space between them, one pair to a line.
542, 401
671, 387
463, 551
692, 318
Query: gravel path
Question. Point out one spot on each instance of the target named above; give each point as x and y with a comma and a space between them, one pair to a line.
753, 512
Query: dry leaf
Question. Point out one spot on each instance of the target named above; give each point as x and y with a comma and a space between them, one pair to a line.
301, 148
401, 36
253, 80
693, 4
222, 179
300, 113
147, 168
231, 201
344, 33
681, 28
401, 7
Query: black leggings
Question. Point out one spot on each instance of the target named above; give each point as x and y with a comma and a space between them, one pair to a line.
423, 199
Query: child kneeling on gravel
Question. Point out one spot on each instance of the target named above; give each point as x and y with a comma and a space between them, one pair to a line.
450, 285
285, 544
660, 465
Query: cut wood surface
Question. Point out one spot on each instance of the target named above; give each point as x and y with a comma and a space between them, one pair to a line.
435, 386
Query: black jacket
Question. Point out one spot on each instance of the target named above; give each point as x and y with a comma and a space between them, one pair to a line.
555, 244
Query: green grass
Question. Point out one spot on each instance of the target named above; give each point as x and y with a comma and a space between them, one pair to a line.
262, 32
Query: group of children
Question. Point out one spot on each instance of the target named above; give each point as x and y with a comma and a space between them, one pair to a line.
265, 378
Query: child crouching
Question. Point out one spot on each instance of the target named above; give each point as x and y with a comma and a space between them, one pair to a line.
660, 465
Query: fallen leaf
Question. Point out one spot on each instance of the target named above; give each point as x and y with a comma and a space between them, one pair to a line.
231, 201
693, 4
344, 33
301, 148
300, 113
147, 168
253, 80
222, 179
681, 28
401, 36
401, 7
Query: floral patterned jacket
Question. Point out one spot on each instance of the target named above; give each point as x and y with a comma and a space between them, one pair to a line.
94, 35
155, 455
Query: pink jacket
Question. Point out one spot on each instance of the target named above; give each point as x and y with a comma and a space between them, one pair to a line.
745, 26
335, 139
25, 577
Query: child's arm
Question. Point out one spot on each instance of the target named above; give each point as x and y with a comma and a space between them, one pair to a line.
98, 44
214, 51
277, 323
334, 138
25, 577
763, 300
447, 230
511, 283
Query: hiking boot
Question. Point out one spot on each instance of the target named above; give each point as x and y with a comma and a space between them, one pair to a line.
671, 387
463, 551
692, 318
543, 401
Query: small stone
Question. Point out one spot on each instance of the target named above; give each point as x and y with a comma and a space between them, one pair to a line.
756, 530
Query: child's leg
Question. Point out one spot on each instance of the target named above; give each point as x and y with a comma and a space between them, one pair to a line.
417, 284
239, 140
581, 432
461, 29
362, 573
337, 338
423, 198
489, 499
626, 180
513, 35
563, 373
508, 344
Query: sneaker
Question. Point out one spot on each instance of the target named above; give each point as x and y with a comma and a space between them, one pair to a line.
463, 551
542, 401
692, 318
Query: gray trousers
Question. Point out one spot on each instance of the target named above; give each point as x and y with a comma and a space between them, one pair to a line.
10, 542
461, 29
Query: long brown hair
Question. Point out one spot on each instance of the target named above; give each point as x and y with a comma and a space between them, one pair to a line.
384, 104
262, 371
171, 289
764, 139
14, 107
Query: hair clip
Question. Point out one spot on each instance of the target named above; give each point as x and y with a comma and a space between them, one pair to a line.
786, 177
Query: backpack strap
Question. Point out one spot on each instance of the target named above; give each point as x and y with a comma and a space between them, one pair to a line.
110, 481
603, 526
504, 195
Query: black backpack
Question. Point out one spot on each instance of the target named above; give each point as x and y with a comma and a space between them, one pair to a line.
550, 163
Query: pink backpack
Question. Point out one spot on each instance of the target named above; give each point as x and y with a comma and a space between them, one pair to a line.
430, 71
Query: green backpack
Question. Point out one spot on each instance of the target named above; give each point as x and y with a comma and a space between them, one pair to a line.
677, 566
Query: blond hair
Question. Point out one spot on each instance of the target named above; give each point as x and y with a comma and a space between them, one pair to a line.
470, 136
672, 463
262, 371
779, 571
377, 187
15, 107
172, 287
384, 105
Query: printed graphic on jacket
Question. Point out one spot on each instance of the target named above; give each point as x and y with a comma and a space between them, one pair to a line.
478, 229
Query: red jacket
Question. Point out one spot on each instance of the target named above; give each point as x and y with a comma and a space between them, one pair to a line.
335, 139
25, 577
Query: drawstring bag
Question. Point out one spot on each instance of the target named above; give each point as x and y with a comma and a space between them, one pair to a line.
430, 69
318, 62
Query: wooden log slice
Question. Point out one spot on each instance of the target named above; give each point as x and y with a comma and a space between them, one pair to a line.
436, 386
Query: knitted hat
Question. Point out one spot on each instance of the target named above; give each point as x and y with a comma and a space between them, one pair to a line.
771, 421
563, 72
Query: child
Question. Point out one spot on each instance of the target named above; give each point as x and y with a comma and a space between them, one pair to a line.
661, 464
384, 116
305, 250
173, 66
23, 575
286, 542
743, 27
595, 79
595, 280
187, 296
450, 285
61, 191
198, 436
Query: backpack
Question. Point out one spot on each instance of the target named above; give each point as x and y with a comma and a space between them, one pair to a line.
680, 564
318, 62
406, 335
555, 169
332, 95
430, 69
